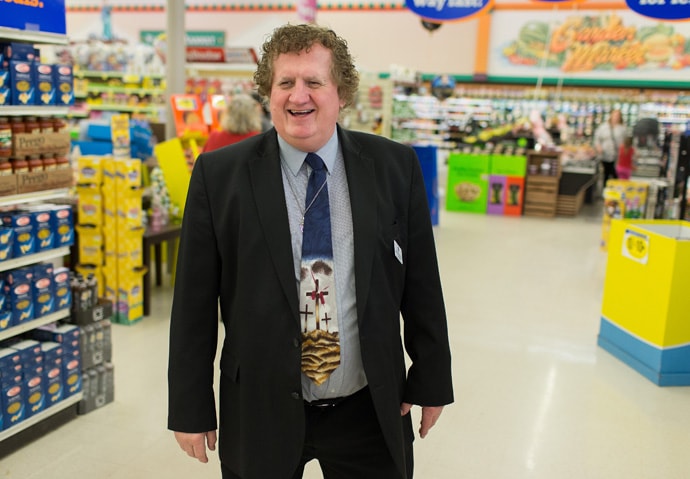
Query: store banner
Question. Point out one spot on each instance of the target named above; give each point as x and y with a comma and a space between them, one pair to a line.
46, 16
588, 45
448, 10
661, 9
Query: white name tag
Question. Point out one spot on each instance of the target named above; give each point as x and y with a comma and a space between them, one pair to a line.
398, 251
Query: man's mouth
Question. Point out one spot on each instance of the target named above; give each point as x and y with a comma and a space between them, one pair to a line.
300, 112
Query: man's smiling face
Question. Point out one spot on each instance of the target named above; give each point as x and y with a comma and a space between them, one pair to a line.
304, 98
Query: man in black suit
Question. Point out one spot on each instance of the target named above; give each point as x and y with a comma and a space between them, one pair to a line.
241, 248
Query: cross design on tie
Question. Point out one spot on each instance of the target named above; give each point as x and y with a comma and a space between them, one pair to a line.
320, 347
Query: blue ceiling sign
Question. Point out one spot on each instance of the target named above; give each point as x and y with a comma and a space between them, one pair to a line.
447, 10
36, 16
661, 9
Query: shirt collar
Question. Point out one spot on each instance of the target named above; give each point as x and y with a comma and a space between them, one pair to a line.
294, 158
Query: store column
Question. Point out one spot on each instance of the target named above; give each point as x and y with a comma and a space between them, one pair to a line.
176, 57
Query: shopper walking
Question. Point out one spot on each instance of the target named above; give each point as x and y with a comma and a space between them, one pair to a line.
608, 137
240, 119
312, 363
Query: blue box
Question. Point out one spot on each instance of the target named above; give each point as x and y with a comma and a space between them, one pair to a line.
54, 385
63, 79
43, 290
71, 373
62, 288
5, 97
12, 390
43, 232
30, 352
6, 242
24, 238
45, 84
63, 225
67, 335
5, 314
10, 362
23, 83
34, 392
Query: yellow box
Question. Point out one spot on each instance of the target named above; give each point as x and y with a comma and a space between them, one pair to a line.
89, 170
130, 295
130, 247
646, 301
90, 244
89, 206
128, 174
130, 214
109, 173
109, 271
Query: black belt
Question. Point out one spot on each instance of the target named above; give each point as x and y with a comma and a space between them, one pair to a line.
331, 402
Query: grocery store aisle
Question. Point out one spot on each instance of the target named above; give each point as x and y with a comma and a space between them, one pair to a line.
535, 397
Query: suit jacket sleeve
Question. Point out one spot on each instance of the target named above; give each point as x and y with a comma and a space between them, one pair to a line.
425, 328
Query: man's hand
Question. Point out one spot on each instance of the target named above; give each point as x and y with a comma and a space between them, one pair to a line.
194, 444
430, 415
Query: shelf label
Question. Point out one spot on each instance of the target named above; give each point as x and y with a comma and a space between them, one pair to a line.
636, 246
47, 16
661, 9
448, 10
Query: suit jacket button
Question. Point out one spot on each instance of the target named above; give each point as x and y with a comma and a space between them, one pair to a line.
295, 342
295, 395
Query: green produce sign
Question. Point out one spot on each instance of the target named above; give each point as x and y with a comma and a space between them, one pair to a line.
192, 38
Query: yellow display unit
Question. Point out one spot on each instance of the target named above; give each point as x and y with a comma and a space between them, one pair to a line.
646, 300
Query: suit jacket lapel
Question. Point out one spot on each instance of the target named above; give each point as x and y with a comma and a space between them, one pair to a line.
361, 181
267, 185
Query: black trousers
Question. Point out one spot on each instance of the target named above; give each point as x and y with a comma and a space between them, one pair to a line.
609, 171
347, 441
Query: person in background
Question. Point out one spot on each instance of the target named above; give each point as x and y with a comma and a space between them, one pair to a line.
608, 137
625, 165
240, 120
317, 373
266, 122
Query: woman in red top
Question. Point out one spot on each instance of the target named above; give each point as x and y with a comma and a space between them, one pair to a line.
625, 166
241, 119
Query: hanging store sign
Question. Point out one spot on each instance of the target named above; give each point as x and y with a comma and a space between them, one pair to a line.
661, 9
193, 38
448, 10
35, 16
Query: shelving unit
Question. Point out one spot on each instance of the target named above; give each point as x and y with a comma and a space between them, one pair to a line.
45, 38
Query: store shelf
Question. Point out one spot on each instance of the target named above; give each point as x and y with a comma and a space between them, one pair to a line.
125, 90
34, 258
127, 108
44, 195
32, 37
46, 413
34, 323
17, 110
134, 77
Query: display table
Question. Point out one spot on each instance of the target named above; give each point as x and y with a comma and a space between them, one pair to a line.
155, 237
644, 318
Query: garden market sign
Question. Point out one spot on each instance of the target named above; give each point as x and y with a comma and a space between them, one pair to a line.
661, 9
448, 10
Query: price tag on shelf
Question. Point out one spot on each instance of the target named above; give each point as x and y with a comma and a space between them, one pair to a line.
636, 246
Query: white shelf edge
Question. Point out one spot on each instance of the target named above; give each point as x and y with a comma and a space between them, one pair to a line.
43, 195
33, 258
17, 110
7, 33
33, 420
34, 323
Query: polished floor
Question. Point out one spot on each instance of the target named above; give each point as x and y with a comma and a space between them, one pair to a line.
535, 397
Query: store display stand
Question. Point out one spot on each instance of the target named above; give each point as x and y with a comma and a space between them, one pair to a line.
69, 403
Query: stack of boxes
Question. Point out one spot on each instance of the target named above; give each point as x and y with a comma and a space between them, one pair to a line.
486, 182
24, 80
37, 371
110, 231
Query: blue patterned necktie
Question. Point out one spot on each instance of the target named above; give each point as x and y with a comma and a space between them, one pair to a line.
320, 339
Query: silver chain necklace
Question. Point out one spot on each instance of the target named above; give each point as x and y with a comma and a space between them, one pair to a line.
304, 211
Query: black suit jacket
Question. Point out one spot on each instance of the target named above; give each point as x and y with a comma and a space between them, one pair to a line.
235, 250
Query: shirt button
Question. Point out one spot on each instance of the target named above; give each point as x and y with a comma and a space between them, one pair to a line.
295, 395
